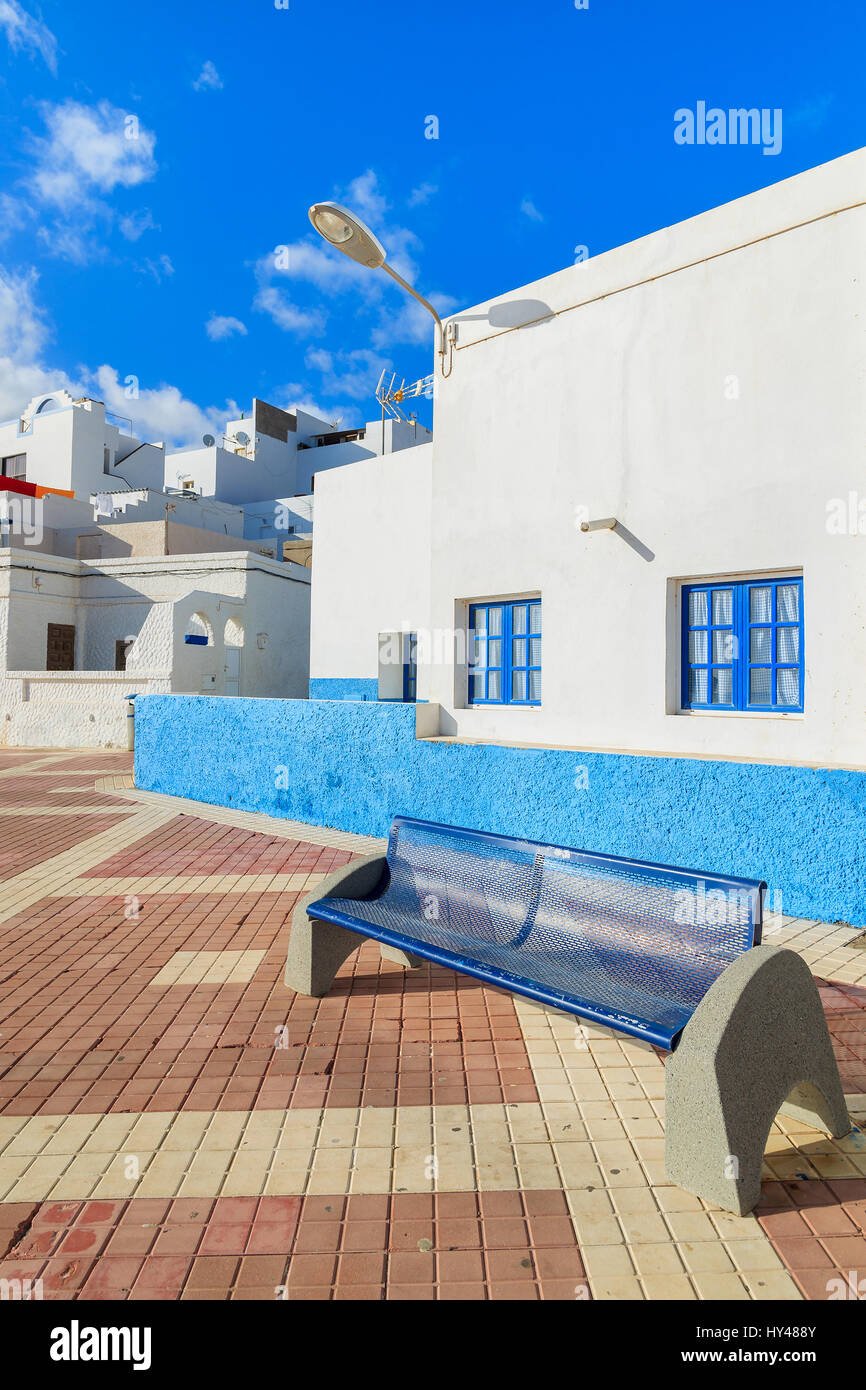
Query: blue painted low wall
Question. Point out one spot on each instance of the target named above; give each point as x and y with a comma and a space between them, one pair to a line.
353, 765
344, 688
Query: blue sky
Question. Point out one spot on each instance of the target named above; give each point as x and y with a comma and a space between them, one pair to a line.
153, 257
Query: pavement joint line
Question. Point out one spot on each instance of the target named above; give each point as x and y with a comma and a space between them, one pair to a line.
257, 821
23, 811
157, 885
35, 767
28, 887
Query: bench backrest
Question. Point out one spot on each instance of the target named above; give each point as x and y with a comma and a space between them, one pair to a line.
667, 930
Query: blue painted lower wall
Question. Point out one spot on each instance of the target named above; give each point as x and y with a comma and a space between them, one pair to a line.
344, 688
353, 765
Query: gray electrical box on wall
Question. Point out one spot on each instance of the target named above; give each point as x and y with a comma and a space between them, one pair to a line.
397, 666
391, 660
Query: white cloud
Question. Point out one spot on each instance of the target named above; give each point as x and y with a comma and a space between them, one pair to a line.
221, 326
312, 262
90, 147
316, 264
409, 321
87, 152
22, 325
528, 208
286, 315
422, 194
320, 359
72, 242
208, 79
14, 215
25, 32
160, 412
135, 224
354, 374
23, 335
295, 396
159, 269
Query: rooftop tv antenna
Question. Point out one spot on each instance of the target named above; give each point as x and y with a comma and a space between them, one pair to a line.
208, 441
391, 393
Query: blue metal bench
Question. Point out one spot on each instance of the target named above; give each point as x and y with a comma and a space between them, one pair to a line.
634, 946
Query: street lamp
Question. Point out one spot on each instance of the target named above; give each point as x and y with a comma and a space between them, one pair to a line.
348, 234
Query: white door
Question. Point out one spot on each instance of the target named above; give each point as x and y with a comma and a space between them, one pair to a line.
233, 671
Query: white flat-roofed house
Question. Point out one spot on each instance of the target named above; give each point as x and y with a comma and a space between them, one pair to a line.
700, 394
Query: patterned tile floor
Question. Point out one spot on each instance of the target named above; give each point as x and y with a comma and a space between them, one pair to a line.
174, 1123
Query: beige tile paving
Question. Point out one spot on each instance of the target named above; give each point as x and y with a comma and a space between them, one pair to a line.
296, 1152
597, 1130
245, 820
191, 883
208, 968
53, 875
640, 1237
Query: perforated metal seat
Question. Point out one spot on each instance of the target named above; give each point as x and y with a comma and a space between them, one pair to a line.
631, 945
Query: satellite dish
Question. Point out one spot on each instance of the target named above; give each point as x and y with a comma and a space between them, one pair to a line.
208, 441
242, 438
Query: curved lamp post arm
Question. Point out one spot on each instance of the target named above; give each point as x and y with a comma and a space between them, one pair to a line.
421, 300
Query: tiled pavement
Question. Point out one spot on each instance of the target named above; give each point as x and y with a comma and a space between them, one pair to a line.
175, 1123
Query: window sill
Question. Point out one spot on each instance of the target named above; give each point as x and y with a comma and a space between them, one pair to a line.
797, 716
479, 709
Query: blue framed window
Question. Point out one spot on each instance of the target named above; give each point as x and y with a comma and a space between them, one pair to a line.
505, 653
743, 646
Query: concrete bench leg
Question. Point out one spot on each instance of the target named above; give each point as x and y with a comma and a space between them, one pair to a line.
404, 958
757, 1044
317, 949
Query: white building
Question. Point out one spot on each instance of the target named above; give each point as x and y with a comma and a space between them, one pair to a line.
702, 386
75, 444
275, 453
76, 637
98, 589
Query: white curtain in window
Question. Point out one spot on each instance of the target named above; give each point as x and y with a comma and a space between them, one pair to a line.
698, 609
787, 605
723, 606
787, 687
760, 610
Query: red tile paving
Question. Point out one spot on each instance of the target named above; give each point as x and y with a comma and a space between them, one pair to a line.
85, 1030
193, 846
845, 1009
37, 792
818, 1229
294, 1248
23, 840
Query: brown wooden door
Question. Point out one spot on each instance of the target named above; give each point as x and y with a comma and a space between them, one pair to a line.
60, 650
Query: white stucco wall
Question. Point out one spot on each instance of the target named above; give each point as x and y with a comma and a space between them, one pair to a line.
84, 709
704, 385
152, 600
371, 559
65, 448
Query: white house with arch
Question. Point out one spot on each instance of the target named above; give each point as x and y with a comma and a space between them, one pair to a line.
76, 638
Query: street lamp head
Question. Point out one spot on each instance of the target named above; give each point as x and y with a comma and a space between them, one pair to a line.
348, 234
343, 230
